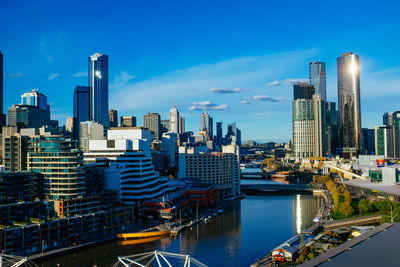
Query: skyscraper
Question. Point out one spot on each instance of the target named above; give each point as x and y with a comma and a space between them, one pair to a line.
392, 118
181, 125
317, 78
349, 105
98, 83
219, 133
206, 124
113, 115
233, 131
2, 115
332, 128
81, 107
152, 121
174, 120
303, 91
34, 98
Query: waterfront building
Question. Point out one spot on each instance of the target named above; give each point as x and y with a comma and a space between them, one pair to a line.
81, 107
98, 84
308, 131
219, 168
128, 121
170, 146
349, 105
387, 141
152, 121
113, 115
2, 115
129, 170
174, 120
206, 125
332, 128
317, 78
20, 186
233, 134
90, 130
61, 164
181, 125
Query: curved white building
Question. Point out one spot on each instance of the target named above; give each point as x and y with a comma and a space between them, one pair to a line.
128, 164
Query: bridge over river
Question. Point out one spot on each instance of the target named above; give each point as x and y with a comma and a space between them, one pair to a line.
273, 187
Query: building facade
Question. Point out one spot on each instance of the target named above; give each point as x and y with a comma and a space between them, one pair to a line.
152, 121
90, 130
61, 164
349, 105
2, 115
81, 107
387, 141
332, 128
128, 121
181, 129
206, 125
98, 84
26, 116
113, 115
317, 78
174, 120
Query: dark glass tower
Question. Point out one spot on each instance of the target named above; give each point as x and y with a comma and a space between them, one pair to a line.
219, 133
317, 78
349, 106
303, 91
2, 115
81, 107
98, 83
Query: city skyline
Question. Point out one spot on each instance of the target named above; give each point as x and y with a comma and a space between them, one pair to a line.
197, 73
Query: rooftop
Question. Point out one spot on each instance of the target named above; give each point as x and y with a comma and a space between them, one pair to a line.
390, 189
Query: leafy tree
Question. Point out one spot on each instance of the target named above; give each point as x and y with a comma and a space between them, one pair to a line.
364, 206
347, 196
346, 208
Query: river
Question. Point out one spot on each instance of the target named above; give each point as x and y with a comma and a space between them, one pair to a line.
238, 237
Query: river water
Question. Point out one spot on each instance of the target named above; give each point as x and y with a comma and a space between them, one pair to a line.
243, 233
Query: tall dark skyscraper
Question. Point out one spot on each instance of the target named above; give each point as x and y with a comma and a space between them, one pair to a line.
219, 133
2, 115
98, 83
332, 128
317, 78
81, 107
349, 105
303, 91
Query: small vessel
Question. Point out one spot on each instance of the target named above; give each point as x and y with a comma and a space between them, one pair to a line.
143, 240
143, 234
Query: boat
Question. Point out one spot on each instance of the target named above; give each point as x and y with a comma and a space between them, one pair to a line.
143, 234
143, 240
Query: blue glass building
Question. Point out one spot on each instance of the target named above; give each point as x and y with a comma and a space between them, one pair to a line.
317, 78
98, 83
81, 107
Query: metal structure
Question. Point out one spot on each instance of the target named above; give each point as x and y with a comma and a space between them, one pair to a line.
157, 258
15, 261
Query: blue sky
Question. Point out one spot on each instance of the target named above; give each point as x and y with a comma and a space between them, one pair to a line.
237, 57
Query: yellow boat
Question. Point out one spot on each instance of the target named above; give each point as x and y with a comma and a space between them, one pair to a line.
142, 240
143, 234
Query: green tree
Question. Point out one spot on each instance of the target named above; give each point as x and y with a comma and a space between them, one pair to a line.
346, 209
347, 196
364, 206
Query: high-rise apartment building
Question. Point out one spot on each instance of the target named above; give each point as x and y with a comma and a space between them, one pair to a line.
113, 115
128, 121
14, 149
98, 83
317, 78
349, 105
61, 164
174, 120
152, 121
81, 107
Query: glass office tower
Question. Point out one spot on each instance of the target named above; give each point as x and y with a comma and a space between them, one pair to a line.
98, 83
349, 107
81, 107
2, 115
317, 78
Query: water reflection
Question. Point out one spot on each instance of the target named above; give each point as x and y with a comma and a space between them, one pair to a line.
246, 231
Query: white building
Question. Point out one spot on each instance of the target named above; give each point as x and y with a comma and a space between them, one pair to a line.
221, 169
130, 170
174, 120
90, 130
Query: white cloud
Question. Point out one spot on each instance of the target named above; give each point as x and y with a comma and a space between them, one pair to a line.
121, 80
207, 105
267, 98
226, 90
15, 74
81, 74
245, 102
273, 83
53, 76
286, 82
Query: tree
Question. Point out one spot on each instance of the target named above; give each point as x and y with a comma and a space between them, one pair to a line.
346, 208
347, 196
365, 206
